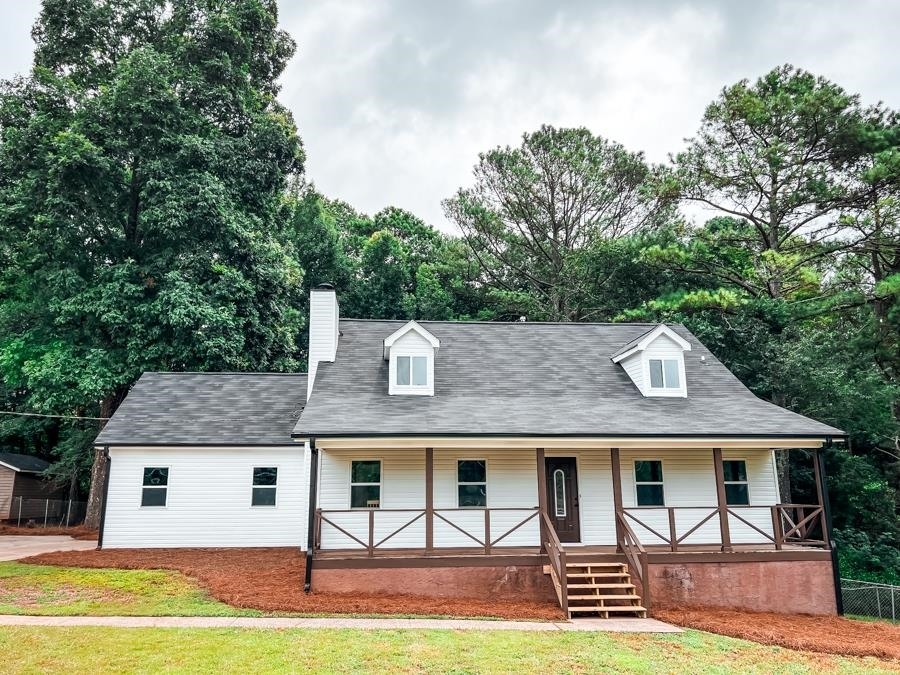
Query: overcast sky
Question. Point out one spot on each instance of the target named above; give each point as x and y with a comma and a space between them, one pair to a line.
394, 100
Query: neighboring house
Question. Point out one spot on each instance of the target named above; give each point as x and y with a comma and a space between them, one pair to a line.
22, 489
606, 465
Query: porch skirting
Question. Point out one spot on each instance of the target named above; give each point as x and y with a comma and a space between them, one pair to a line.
499, 582
782, 586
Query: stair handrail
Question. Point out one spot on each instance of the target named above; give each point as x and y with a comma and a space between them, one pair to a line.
636, 556
557, 555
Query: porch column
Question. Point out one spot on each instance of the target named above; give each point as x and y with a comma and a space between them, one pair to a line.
722, 499
617, 495
821, 494
542, 492
429, 499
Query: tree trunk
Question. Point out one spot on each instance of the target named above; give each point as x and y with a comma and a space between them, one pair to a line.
783, 468
99, 471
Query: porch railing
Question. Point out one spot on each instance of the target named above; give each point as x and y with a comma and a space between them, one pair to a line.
636, 556
792, 524
557, 556
486, 539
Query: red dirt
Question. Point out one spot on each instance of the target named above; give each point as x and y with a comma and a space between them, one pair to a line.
74, 532
827, 634
271, 580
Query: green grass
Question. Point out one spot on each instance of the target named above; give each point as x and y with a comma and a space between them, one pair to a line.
70, 591
152, 650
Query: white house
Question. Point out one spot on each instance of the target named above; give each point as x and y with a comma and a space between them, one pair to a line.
605, 465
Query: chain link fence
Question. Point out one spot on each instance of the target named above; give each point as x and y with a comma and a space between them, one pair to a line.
865, 598
46, 512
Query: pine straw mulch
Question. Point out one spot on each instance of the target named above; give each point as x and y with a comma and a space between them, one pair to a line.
74, 532
271, 580
827, 634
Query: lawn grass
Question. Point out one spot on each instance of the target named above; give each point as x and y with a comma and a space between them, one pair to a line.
152, 650
71, 591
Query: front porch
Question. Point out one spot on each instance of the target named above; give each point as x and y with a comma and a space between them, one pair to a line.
610, 528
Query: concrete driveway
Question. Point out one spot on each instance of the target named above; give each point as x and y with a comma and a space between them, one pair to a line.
13, 546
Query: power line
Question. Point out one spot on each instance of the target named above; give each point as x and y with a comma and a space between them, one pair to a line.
59, 417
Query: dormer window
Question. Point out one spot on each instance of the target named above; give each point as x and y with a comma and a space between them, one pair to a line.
410, 353
412, 371
655, 362
664, 374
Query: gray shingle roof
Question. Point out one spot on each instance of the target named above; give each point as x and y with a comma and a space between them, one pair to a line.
208, 409
533, 379
23, 463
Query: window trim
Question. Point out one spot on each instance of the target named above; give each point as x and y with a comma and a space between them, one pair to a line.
565, 510
168, 469
662, 360
272, 487
426, 389
661, 483
485, 483
737, 482
649, 389
380, 484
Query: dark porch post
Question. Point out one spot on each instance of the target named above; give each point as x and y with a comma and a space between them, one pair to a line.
722, 499
822, 491
542, 492
616, 465
429, 499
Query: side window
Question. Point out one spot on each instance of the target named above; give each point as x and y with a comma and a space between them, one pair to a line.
365, 484
648, 482
737, 489
265, 486
155, 486
471, 479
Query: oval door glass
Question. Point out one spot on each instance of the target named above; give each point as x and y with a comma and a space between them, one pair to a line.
559, 492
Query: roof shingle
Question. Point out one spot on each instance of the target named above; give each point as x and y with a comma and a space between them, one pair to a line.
532, 379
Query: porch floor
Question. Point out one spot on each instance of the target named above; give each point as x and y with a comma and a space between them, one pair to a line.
573, 551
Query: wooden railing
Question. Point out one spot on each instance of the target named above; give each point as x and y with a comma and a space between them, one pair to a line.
794, 524
485, 541
636, 556
557, 555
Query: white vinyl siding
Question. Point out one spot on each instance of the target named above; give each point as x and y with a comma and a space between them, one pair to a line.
689, 480
208, 501
407, 378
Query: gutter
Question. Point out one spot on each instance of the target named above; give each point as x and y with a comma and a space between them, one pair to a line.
311, 523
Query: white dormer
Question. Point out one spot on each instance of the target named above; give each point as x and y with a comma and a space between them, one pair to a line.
410, 354
655, 362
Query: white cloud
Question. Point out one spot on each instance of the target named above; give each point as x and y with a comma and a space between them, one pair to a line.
396, 98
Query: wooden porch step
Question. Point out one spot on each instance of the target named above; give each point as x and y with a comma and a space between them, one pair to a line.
625, 586
597, 575
630, 598
614, 608
595, 564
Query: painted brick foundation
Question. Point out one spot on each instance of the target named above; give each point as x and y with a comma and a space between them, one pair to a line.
517, 582
789, 587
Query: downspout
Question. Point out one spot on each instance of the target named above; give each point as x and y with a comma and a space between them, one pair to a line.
826, 506
105, 496
313, 499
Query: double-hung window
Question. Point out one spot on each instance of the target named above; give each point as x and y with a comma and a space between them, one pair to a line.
265, 486
737, 489
155, 486
471, 482
648, 482
365, 484
412, 371
664, 374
